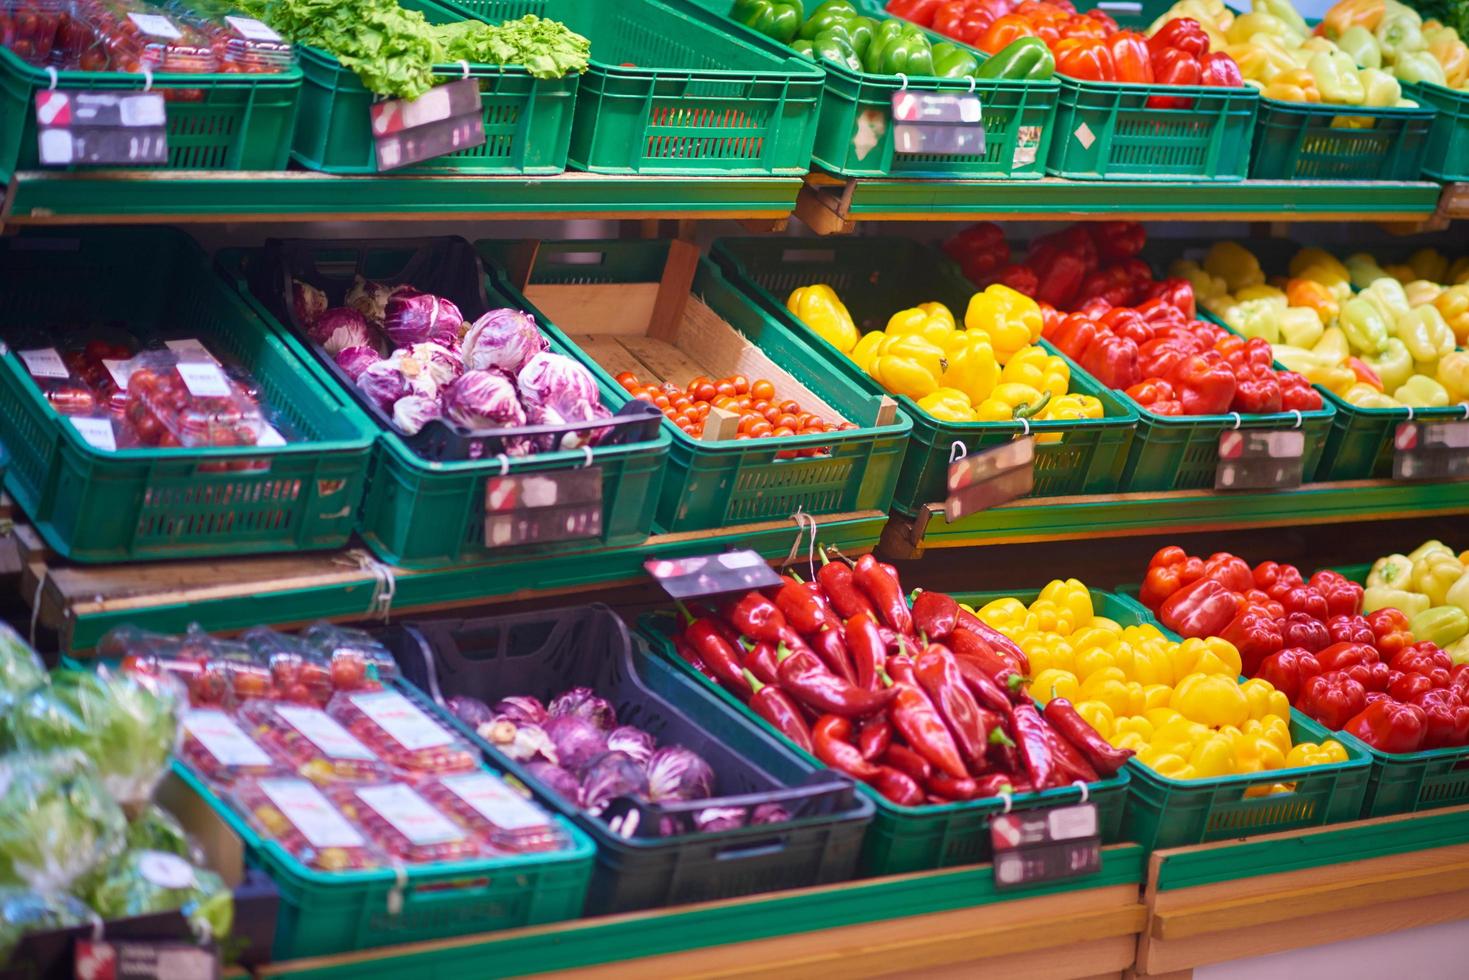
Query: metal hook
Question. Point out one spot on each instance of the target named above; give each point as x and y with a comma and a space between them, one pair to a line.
957, 451
1237, 419
504, 463
1085, 793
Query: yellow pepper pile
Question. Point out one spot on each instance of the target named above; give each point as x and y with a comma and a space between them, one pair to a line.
1389, 35
1278, 54
1376, 337
1179, 705
989, 369
1430, 585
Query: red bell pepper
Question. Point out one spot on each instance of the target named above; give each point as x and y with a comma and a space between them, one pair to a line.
1459, 679
1218, 68
1073, 334
1305, 599
1255, 635
1261, 601
1157, 396
1174, 66
918, 11
1389, 726
1118, 240
1420, 658
1332, 698
1351, 629
1202, 608
1113, 361
1206, 385
1085, 58
1116, 284
1170, 569
1127, 322
1297, 393
1059, 274
1178, 293
1229, 571
980, 249
1004, 30
1021, 278
1276, 579
1408, 687
1256, 390
1305, 631
966, 20
1447, 717
1392, 631
1343, 596
1161, 356
1131, 58
1288, 670
1183, 33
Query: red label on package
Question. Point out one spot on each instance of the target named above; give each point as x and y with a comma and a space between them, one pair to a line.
494, 801
225, 740
410, 814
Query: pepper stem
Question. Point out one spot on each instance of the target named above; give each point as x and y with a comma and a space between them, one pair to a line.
782, 652
824, 560
795, 575
747, 643
688, 617
1025, 410
1016, 682
998, 737
753, 681
886, 680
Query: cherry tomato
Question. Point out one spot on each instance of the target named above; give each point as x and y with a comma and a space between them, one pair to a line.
643, 396
725, 388
662, 401
763, 389
786, 420
761, 428
741, 383
682, 421
706, 392
783, 430
846, 427
789, 407
759, 405
628, 380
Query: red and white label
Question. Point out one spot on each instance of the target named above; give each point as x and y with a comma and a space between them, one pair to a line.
494, 801
410, 814
402, 719
322, 731
311, 813
225, 740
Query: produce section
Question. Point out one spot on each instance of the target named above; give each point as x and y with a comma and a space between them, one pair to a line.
494, 505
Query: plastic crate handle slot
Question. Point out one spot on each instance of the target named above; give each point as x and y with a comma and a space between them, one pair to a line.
752, 849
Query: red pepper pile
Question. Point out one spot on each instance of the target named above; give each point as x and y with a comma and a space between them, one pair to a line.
1364, 675
1071, 267
1172, 364
925, 705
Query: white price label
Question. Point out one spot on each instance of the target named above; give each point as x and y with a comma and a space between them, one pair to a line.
495, 801
203, 379
402, 719
322, 730
410, 814
311, 813
45, 363
225, 740
269, 436
251, 29
97, 432
120, 370
156, 25
191, 349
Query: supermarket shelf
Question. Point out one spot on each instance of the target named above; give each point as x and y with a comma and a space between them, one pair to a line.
82, 602
832, 206
175, 196
1295, 890
935, 921
1127, 514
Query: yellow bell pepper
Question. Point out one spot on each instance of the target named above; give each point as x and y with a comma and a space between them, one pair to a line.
1421, 292
1259, 21
1312, 754
1333, 344
1214, 756
907, 365
1379, 89
1453, 305
1429, 264
1362, 45
1071, 594
949, 405
1337, 79
1169, 765
1440, 624
1000, 613
819, 307
1255, 753
863, 354
1364, 324
1312, 257
1260, 61
1425, 333
1235, 264
1433, 574
1206, 655
1300, 327
1394, 364
1399, 271
1211, 699
972, 367
1315, 296
1376, 597
931, 321
1429, 547
1352, 13
1054, 683
1328, 371
1009, 402
1452, 56
1099, 716
1364, 395
1453, 374
1388, 297
1206, 286
1364, 270
1264, 699
1068, 408
1033, 365
1422, 392
1109, 686
1010, 318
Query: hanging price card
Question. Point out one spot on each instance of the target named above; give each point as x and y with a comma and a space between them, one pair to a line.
537, 508
97, 959
705, 575
446, 119
1431, 451
990, 478
938, 123
1252, 459
100, 128
1036, 846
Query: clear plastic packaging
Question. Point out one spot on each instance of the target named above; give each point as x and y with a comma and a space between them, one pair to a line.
296, 815
404, 825
57, 819
403, 734
136, 35
297, 672
103, 366
222, 750
29, 27
173, 401
355, 656
504, 819
214, 672
313, 743
64, 388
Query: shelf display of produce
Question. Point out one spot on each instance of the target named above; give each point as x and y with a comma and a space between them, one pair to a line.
699, 581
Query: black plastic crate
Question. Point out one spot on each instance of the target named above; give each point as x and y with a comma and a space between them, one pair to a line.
544, 653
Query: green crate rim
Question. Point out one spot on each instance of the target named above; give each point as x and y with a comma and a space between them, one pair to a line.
1322, 110
1440, 97
66, 77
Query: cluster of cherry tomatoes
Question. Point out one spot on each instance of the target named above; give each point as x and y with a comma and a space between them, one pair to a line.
763, 414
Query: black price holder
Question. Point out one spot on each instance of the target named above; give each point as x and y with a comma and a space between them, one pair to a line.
445, 119
990, 478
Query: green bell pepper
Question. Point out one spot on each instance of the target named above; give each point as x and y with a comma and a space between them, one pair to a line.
1024, 59
951, 61
906, 51
1419, 66
1393, 364
836, 47
1365, 327
860, 31
778, 19
826, 16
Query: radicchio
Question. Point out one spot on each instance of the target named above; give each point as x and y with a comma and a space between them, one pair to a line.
441, 363
563, 783
483, 400
504, 339
577, 740
521, 707
634, 741
677, 773
339, 328
583, 702
371, 298
420, 318
383, 382
412, 412
307, 302
355, 360
610, 775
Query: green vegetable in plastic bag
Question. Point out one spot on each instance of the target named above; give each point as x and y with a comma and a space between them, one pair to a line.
24, 910
20, 669
155, 829
144, 882
57, 820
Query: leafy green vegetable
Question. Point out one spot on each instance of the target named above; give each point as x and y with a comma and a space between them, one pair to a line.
393, 50
56, 820
142, 882
1451, 13
155, 829
20, 669
23, 910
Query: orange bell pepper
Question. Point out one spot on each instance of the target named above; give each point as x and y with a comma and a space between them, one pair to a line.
1296, 85
1454, 57
1087, 58
1312, 295
1351, 13
1130, 57
1003, 31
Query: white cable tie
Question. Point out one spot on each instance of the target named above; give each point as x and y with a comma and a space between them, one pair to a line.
810, 544
1300, 419
1410, 412
54, 78
504, 463
971, 84
1026, 424
1465, 407
465, 65
1237, 420
147, 79
800, 533
1085, 793
395, 897
904, 86
957, 451
588, 451
385, 586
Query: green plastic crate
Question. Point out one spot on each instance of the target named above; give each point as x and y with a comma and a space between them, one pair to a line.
1299, 142
527, 120
671, 91
324, 913
417, 513
877, 277
136, 504
1447, 155
719, 484
903, 839
1163, 812
1107, 131
238, 121
1360, 445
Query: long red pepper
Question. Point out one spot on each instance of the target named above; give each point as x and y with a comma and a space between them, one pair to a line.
831, 737
938, 675
682, 648
827, 643
716, 652
1035, 748
884, 592
772, 704
761, 661
835, 578
971, 646
897, 786
1073, 765
1106, 759
868, 650
874, 736
983, 687
804, 678
1002, 644
755, 616
910, 762
935, 615
801, 608
918, 721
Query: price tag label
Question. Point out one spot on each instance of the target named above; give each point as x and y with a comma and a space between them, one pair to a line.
705, 575
538, 508
156, 25
1254, 459
191, 349
410, 814
990, 478
494, 801
1037, 846
225, 740
44, 362
251, 29
97, 959
101, 128
311, 813
1431, 451
446, 119
97, 432
120, 370
939, 123
204, 379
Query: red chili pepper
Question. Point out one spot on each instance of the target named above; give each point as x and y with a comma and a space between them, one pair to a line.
1390, 727
835, 578
686, 652
918, 721
869, 652
955, 789
803, 610
885, 593
905, 759
755, 616
831, 738
1035, 747
1288, 671
833, 653
996, 783
772, 704
874, 736
934, 615
986, 691
939, 676
1332, 698
760, 660
804, 678
1202, 608
897, 786
1002, 645
1072, 727
717, 653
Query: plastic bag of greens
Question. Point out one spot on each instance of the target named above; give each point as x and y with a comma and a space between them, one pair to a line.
144, 882
24, 910
155, 829
20, 669
57, 820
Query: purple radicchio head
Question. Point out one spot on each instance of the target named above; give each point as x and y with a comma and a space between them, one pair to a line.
563, 783
583, 702
355, 360
577, 740
635, 742
483, 400
676, 773
521, 707
441, 363
307, 302
339, 328
412, 412
504, 339
422, 317
383, 382
371, 298
610, 775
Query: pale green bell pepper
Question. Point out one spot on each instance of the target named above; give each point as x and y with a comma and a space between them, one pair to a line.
1441, 625
1394, 365
1366, 328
